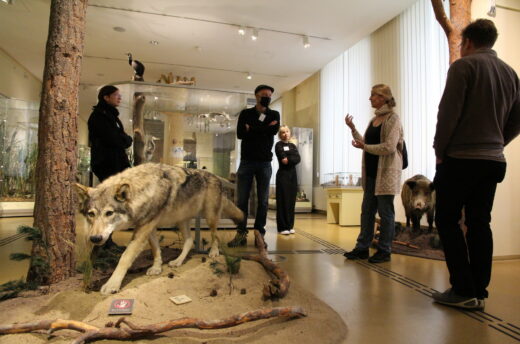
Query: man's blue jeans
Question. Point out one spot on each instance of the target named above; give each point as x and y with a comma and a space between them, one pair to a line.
261, 171
384, 205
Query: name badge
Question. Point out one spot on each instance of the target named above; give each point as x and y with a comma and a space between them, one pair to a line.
285, 148
262, 117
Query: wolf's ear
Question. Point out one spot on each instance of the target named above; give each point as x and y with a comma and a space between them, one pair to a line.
82, 192
122, 193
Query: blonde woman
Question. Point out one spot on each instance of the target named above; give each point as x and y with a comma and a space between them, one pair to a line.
286, 181
381, 171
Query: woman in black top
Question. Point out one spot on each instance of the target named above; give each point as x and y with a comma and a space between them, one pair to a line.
107, 136
286, 181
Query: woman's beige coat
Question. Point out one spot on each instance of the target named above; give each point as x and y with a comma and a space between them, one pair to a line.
390, 165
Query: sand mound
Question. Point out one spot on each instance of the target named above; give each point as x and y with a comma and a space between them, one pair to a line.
196, 280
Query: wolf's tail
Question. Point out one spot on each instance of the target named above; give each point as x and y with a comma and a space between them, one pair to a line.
230, 210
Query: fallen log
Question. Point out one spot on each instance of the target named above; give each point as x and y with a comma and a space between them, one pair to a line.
133, 331
277, 287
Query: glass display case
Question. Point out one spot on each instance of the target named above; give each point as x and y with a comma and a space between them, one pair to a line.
342, 180
182, 126
18, 149
303, 139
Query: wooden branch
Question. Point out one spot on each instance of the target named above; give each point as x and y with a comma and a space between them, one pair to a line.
460, 16
441, 17
260, 244
404, 243
132, 331
278, 287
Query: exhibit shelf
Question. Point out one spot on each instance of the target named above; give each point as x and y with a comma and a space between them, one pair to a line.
344, 205
16, 209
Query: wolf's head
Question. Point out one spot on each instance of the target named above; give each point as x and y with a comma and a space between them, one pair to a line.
106, 210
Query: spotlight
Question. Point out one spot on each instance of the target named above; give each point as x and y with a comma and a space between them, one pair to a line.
154, 42
306, 43
241, 31
254, 36
249, 76
492, 9
9, 2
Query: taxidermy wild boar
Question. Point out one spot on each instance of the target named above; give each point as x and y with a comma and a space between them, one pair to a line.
418, 196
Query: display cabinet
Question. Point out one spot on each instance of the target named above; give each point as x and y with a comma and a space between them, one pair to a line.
344, 198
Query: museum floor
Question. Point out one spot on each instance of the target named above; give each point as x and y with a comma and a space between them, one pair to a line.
386, 303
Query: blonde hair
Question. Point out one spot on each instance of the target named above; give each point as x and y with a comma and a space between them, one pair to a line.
385, 92
280, 130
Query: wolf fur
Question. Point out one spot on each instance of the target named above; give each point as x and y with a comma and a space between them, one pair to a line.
418, 197
146, 197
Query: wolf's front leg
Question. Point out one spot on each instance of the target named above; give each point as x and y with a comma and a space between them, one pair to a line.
213, 252
127, 258
156, 268
188, 244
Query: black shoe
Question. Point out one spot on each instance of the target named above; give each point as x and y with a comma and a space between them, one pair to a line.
356, 253
379, 257
449, 298
240, 239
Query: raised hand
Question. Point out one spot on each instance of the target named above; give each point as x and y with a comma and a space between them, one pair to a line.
349, 121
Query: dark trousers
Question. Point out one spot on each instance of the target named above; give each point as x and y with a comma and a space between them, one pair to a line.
261, 171
468, 184
384, 206
286, 188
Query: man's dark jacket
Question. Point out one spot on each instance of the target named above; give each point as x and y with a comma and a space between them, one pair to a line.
257, 142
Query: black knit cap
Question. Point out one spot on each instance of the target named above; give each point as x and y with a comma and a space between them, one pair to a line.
263, 87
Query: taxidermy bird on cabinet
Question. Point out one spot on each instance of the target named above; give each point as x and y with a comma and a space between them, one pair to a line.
138, 68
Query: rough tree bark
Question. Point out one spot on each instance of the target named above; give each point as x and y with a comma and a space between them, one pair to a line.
57, 139
460, 17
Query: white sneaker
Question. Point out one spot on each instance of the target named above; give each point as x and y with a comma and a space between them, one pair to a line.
292, 231
286, 232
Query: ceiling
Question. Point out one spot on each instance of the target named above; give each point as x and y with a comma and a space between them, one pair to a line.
206, 46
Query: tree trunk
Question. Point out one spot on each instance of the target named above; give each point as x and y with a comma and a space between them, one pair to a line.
138, 128
460, 17
54, 210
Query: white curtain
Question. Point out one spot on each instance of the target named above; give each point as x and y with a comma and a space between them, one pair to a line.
410, 54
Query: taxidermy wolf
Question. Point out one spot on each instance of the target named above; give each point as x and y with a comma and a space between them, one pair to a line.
148, 196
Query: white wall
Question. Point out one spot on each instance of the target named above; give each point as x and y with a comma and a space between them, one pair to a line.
16, 81
506, 210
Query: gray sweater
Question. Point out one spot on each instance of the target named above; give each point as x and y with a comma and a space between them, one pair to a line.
479, 113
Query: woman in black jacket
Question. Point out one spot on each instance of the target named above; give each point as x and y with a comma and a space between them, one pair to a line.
286, 181
107, 136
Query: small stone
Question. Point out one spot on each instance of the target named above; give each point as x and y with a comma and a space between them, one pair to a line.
170, 275
243, 291
213, 293
203, 259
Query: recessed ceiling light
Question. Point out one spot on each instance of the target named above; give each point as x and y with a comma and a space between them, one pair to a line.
154, 42
306, 43
9, 2
119, 29
249, 76
241, 31
254, 36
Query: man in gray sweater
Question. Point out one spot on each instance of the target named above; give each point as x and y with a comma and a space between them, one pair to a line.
479, 114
